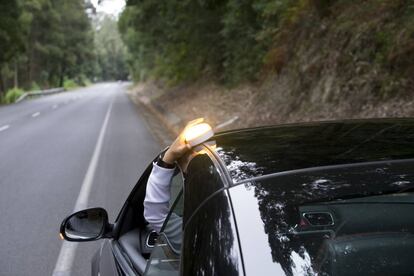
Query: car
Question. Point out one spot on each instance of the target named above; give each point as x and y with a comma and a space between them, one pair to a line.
323, 198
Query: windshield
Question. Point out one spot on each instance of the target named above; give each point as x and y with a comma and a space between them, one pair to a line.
329, 222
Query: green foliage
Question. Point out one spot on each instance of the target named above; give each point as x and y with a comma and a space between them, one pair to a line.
382, 42
231, 40
11, 34
111, 53
34, 87
12, 95
179, 41
69, 84
243, 53
83, 80
58, 39
173, 40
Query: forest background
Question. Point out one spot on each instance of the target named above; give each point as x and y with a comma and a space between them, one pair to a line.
56, 43
260, 61
263, 62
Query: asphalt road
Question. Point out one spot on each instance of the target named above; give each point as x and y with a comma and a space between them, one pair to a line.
46, 147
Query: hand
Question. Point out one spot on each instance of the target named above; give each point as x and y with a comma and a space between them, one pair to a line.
179, 147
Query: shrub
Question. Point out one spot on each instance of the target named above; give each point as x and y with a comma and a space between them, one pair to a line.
34, 87
83, 80
69, 84
12, 95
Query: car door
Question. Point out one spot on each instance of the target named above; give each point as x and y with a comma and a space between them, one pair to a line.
123, 254
114, 258
172, 230
199, 236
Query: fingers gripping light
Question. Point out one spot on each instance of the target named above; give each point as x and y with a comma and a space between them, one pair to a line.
198, 134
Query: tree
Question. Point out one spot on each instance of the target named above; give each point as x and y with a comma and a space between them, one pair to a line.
173, 40
111, 52
181, 41
11, 36
44, 42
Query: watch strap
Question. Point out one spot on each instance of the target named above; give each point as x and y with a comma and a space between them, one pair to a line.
163, 164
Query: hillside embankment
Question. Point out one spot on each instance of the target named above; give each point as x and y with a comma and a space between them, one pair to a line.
353, 60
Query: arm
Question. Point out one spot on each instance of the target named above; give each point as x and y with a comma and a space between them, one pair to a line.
157, 197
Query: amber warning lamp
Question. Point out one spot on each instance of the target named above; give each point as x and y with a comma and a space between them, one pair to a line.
197, 132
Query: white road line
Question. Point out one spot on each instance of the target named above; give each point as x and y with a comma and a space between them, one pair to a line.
35, 114
4, 127
64, 262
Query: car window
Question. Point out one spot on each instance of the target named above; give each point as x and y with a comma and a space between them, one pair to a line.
165, 257
176, 188
328, 221
210, 245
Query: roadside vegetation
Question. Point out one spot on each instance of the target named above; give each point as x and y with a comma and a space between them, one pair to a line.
272, 61
264, 61
56, 43
12, 95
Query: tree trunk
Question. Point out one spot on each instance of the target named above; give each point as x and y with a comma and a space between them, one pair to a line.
16, 77
62, 75
30, 66
2, 84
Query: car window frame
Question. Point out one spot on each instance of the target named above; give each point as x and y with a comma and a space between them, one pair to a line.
220, 167
142, 181
179, 194
140, 184
224, 179
176, 200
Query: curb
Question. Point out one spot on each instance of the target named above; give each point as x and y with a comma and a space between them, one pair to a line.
173, 123
170, 121
160, 128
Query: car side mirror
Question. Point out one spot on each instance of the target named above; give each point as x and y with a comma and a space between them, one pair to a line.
86, 225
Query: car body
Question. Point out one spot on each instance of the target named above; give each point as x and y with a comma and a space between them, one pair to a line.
325, 198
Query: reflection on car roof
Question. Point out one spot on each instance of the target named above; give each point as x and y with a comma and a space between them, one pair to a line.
262, 151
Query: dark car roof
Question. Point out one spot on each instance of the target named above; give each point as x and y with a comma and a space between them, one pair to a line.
261, 151
359, 173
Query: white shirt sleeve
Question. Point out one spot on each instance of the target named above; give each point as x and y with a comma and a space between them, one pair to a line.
157, 197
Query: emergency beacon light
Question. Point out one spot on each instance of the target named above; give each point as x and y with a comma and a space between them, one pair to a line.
198, 133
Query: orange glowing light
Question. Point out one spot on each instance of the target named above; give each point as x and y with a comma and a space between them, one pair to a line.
198, 133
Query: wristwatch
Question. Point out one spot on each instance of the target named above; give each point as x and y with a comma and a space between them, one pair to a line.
163, 164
